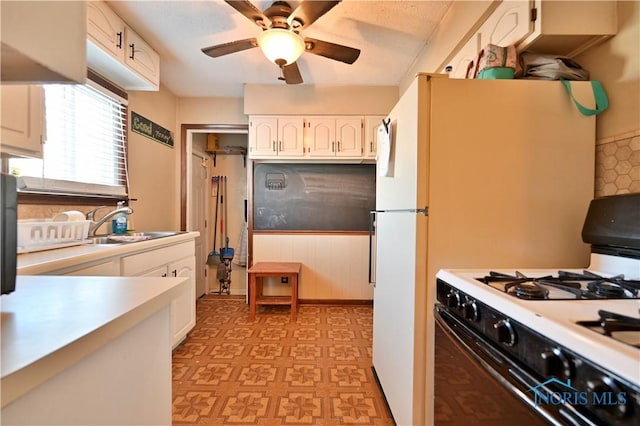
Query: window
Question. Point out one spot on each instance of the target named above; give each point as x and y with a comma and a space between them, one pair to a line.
85, 148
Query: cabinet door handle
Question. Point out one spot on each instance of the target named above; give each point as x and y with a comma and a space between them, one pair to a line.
133, 51
174, 273
333, 146
371, 146
164, 275
338, 146
279, 146
119, 42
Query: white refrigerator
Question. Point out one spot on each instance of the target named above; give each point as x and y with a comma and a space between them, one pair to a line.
482, 173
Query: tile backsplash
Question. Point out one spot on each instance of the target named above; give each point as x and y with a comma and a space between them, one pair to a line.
47, 211
618, 165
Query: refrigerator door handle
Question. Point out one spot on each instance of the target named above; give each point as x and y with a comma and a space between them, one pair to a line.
424, 211
372, 231
372, 249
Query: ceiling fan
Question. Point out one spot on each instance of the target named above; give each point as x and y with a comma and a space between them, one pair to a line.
280, 38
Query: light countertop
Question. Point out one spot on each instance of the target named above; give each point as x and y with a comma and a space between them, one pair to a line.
50, 260
51, 322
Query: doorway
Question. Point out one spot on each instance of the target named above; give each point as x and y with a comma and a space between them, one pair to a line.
197, 204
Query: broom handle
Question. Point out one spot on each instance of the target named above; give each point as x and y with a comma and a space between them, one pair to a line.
226, 234
222, 214
214, 182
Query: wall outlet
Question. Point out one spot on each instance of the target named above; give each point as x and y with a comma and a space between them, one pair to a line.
284, 280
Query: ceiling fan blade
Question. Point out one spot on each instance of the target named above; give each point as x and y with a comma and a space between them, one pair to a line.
231, 47
291, 74
333, 51
250, 11
309, 11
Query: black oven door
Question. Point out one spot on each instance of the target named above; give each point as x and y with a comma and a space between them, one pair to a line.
474, 384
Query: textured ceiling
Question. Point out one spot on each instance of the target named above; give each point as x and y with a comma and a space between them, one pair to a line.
390, 34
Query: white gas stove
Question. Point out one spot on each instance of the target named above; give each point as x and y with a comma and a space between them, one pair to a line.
565, 341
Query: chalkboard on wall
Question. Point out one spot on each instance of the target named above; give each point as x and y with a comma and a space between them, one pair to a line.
313, 197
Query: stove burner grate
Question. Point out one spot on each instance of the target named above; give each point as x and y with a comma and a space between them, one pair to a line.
600, 287
529, 290
617, 326
596, 287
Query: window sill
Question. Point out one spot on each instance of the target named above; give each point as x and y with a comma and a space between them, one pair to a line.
33, 190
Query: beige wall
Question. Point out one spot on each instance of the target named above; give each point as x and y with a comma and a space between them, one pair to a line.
154, 168
322, 99
210, 111
616, 63
461, 21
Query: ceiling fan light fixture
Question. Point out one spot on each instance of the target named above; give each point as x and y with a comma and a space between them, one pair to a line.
279, 45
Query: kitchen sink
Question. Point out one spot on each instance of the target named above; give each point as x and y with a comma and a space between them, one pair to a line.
131, 237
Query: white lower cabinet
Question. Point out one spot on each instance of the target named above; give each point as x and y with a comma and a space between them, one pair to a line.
173, 261
110, 268
183, 309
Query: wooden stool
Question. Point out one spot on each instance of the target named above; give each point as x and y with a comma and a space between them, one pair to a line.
273, 269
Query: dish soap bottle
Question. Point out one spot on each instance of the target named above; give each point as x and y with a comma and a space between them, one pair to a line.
119, 222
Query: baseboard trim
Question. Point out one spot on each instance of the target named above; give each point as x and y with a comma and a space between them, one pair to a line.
334, 302
359, 302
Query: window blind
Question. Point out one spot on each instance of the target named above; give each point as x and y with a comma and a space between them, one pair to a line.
85, 148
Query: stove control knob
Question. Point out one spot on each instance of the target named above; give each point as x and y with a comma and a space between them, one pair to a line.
470, 310
453, 299
505, 331
555, 364
606, 395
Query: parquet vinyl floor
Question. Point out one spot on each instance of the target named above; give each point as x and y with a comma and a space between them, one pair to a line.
272, 371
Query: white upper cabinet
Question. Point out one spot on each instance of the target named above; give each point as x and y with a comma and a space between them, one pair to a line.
570, 27
508, 24
105, 29
140, 57
43, 42
371, 124
276, 137
320, 136
465, 58
117, 52
349, 137
263, 136
333, 136
22, 125
290, 136
565, 28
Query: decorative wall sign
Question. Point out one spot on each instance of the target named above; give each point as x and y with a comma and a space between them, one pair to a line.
148, 128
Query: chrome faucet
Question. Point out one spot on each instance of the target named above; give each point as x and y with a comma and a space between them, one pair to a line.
95, 224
